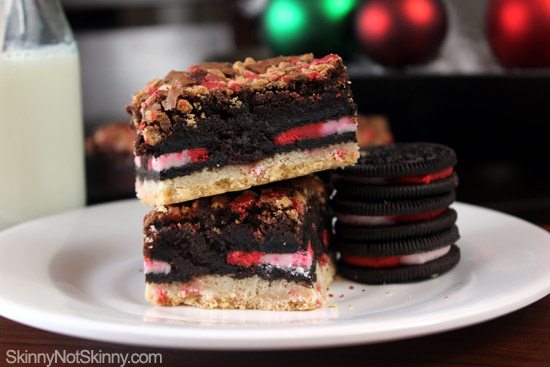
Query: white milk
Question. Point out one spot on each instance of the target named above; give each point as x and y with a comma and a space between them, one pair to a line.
41, 139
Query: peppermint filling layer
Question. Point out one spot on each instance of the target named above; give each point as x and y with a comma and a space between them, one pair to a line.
373, 220
311, 131
156, 266
316, 130
394, 261
300, 261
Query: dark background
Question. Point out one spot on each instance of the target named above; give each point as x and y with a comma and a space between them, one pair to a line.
496, 119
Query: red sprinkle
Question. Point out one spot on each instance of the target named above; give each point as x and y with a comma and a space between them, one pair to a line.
244, 258
424, 179
339, 154
234, 86
212, 85
160, 293
314, 75
372, 262
198, 154
243, 203
325, 59
249, 75
323, 259
298, 205
151, 90
326, 237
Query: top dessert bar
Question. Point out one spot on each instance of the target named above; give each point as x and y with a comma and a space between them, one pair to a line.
221, 127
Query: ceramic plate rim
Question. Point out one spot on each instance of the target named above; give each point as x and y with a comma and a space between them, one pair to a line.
348, 332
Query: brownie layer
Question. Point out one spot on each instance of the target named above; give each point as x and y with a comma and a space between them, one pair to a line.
221, 155
196, 238
211, 100
259, 116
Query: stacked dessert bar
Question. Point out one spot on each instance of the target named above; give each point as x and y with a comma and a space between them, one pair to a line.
206, 134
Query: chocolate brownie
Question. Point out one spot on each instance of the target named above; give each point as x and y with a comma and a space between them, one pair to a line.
274, 234
220, 127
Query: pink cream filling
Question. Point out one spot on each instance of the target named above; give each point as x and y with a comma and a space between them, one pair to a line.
424, 257
178, 159
299, 259
316, 130
156, 266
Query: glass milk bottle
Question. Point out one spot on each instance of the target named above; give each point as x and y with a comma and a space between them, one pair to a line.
41, 147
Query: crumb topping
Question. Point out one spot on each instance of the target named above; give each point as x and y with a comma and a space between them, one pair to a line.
266, 204
181, 91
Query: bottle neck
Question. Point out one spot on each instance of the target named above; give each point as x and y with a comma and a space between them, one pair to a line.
32, 23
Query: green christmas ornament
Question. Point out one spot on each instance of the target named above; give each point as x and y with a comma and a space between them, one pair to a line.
300, 26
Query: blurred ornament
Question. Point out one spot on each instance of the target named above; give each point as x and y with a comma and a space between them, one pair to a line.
321, 26
519, 32
401, 32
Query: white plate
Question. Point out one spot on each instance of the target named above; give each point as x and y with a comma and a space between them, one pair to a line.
80, 274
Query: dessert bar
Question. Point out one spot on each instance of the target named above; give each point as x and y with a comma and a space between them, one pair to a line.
263, 248
221, 127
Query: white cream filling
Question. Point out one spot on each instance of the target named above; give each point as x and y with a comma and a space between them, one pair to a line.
424, 257
156, 267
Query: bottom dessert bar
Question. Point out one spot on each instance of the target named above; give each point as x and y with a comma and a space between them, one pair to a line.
263, 248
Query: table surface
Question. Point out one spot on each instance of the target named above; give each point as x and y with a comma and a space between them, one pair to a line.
521, 338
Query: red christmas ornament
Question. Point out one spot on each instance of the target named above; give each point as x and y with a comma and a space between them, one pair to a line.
519, 32
401, 32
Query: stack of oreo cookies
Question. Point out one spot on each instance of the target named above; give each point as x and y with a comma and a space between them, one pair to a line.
393, 222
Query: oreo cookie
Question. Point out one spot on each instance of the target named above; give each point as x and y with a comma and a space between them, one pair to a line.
401, 159
347, 205
396, 231
394, 223
407, 246
402, 273
349, 189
